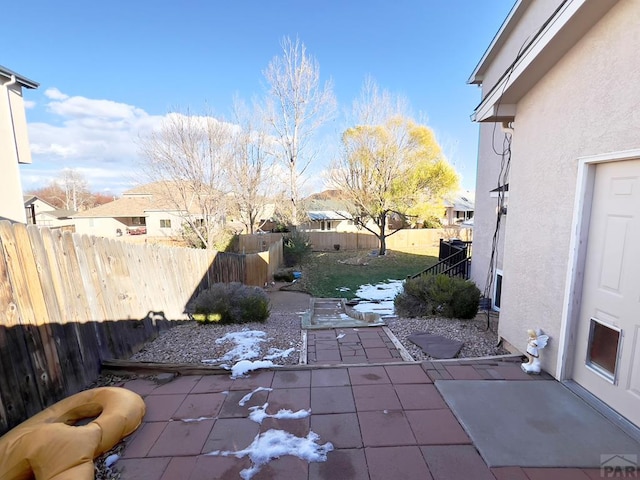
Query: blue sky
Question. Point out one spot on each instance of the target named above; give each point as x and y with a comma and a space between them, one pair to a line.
110, 70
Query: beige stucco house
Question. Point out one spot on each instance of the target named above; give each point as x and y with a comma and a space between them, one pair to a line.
144, 210
14, 143
44, 214
558, 201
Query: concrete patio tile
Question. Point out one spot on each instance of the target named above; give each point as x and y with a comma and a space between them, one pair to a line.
436, 427
218, 467
349, 351
286, 467
327, 345
231, 407
370, 332
180, 384
231, 434
355, 360
323, 334
555, 474
142, 468
139, 444
381, 429
200, 405
179, 467
348, 338
419, 397
407, 374
253, 380
341, 429
455, 462
598, 474
330, 377
213, 383
162, 407
368, 375
291, 379
332, 400
512, 372
509, 473
342, 465
289, 398
295, 426
397, 463
373, 343
378, 353
182, 438
463, 372
141, 386
375, 397
323, 356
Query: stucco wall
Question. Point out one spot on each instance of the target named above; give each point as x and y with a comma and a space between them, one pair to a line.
153, 224
99, 227
588, 104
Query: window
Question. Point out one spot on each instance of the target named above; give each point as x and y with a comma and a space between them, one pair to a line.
165, 223
497, 290
603, 348
328, 225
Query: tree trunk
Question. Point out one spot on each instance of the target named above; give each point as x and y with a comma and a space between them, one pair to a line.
382, 223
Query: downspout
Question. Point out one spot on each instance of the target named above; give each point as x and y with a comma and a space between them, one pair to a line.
6, 85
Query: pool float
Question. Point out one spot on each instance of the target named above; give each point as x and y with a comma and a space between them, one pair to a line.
56, 445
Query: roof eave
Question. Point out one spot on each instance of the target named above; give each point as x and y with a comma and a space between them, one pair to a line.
22, 80
477, 76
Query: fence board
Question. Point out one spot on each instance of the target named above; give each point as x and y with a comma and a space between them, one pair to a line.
69, 301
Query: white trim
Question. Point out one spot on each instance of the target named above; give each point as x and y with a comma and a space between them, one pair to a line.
577, 253
475, 77
486, 108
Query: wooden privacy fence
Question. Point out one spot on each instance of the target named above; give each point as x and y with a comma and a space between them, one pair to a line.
69, 301
421, 241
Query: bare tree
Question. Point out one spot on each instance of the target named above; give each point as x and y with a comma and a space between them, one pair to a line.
188, 157
250, 169
297, 104
74, 190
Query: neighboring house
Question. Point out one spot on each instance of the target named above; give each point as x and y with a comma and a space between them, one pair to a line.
560, 102
41, 213
14, 143
143, 210
458, 209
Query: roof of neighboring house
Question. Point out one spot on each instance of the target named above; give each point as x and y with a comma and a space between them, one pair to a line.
319, 215
461, 203
122, 207
137, 201
24, 81
59, 213
30, 199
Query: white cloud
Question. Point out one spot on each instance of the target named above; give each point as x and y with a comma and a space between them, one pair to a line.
55, 94
28, 104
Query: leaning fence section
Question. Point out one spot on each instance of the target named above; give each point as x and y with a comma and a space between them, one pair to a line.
70, 301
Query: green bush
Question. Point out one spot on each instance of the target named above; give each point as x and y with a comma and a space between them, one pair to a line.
296, 247
231, 303
438, 295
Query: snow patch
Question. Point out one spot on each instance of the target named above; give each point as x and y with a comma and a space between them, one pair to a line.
259, 413
248, 396
274, 353
243, 366
338, 337
276, 443
199, 419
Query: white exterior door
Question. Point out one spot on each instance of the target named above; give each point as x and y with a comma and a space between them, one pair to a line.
607, 353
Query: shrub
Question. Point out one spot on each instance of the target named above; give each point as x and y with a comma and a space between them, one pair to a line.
283, 276
296, 248
438, 295
231, 303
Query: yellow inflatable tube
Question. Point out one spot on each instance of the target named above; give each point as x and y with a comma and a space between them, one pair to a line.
50, 447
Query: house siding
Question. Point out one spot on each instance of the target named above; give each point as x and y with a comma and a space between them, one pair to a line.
585, 105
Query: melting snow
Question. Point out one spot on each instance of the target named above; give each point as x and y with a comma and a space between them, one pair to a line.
111, 459
248, 396
379, 297
278, 352
243, 366
259, 413
343, 289
199, 419
338, 337
276, 443
247, 345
